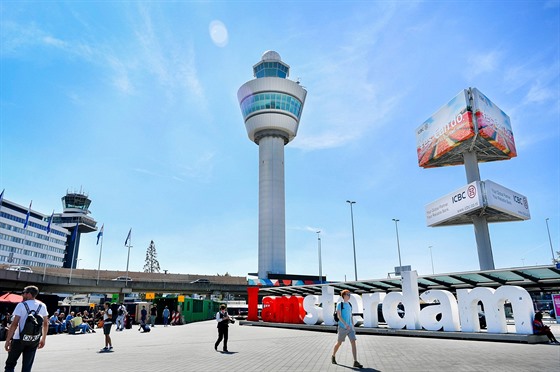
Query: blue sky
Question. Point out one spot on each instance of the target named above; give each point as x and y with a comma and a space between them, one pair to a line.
135, 103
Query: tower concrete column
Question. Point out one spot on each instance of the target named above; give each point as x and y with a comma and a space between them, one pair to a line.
272, 221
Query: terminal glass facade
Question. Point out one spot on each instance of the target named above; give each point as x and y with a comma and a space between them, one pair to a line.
271, 100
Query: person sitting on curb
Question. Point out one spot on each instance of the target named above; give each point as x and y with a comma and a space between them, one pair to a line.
540, 329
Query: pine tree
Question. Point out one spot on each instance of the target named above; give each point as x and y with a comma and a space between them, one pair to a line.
152, 264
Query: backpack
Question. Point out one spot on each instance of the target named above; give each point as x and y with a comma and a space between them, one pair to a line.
32, 329
335, 315
120, 311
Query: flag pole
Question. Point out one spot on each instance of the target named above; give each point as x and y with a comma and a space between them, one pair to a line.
48, 231
129, 240
100, 250
11, 259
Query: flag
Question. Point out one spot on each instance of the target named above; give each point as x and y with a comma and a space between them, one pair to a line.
128, 237
49, 225
74, 233
100, 234
1, 198
27, 216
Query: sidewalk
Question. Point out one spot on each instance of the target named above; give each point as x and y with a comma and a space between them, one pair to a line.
191, 348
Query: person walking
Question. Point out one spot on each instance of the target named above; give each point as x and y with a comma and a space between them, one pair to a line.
121, 313
153, 315
15, 345
345, 327
107, 323
165, 316
223, 320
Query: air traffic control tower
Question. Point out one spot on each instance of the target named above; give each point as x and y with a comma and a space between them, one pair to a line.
75, 212
271, 105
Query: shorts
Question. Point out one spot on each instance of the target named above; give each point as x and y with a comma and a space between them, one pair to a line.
343, 332
107, 328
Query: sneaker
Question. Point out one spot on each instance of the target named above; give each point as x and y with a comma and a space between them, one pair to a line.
110, 348
105, 349
357, 364
333, 360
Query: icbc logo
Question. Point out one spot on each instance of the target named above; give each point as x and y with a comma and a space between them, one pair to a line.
471, 191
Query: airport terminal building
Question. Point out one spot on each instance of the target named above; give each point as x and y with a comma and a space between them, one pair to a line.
30, 246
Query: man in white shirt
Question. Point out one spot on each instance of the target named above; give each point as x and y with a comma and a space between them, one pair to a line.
14, 345
121, 313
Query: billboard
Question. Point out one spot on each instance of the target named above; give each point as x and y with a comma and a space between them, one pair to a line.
460, 202
506, 201
469, 122
493, 124
450, 126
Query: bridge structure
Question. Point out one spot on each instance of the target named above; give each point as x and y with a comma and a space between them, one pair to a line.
61, 280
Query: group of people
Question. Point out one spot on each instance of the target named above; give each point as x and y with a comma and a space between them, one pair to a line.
28, 343
73, 323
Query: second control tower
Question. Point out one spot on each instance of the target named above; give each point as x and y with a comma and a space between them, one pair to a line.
271, 106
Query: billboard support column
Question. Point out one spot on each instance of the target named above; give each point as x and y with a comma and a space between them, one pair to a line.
471, 166
484, 247
481, 231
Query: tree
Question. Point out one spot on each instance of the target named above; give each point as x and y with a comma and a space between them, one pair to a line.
152, 264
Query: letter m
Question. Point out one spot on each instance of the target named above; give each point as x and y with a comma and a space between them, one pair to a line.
493, 302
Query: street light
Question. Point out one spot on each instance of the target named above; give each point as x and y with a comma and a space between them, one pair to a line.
398, 244
320, 264
78, 263
550, 241
353, 238
432, 257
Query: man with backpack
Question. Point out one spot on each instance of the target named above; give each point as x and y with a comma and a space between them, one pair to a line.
345, 327
28, 331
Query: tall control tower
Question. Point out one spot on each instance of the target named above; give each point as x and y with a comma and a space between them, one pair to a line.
271, 106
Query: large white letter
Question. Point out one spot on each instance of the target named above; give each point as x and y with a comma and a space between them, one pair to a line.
493, 302
328, 301
390, 313
314, 313
447, 308
522, 306
357, 307
411, 299
371, 303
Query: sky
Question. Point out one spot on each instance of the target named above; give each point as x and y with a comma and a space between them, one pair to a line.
135, 103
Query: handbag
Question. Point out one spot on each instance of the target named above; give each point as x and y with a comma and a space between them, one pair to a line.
100, 323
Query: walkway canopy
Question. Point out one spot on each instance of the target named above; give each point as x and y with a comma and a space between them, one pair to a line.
532, 278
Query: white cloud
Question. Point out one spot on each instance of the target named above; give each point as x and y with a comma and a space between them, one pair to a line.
482, 63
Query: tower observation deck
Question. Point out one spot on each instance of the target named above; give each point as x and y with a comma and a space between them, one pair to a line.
271, 105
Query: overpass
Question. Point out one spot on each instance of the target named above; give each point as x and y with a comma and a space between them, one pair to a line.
58, 280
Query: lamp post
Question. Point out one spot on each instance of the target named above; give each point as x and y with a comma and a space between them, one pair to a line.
432, 258
353, 238
398, 244
320, 263
78, 263
550, 241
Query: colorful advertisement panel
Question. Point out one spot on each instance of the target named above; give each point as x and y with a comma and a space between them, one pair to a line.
464, 200
556, 305
493, 124
444, 130
507, 201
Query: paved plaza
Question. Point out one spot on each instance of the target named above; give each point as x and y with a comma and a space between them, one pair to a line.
191, 348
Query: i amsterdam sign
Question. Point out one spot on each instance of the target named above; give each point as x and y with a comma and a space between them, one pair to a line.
446, 312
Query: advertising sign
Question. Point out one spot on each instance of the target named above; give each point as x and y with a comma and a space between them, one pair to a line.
150, 295
444, 130
464, 200
556, 306
493, 124
507, 201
